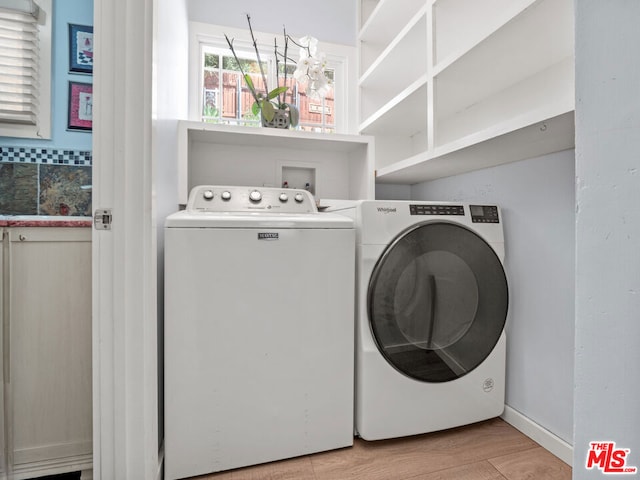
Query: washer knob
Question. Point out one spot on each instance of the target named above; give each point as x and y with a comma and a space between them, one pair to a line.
283, 197
299, 197
226, 195
208, 195
255, 196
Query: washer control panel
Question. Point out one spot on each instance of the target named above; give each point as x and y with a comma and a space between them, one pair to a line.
214, 198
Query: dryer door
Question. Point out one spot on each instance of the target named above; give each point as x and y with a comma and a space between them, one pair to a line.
437, 302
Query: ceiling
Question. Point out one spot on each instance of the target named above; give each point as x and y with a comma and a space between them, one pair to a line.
332, 21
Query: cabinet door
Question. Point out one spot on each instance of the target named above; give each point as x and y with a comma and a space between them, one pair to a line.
49, 329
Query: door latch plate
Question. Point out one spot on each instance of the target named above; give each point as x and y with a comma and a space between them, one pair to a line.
102, 219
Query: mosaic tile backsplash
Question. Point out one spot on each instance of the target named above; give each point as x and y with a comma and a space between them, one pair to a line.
44, 181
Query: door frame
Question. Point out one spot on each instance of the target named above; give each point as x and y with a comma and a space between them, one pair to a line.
125, 365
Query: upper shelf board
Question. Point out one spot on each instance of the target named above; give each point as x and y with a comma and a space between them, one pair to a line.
387, 19
536, 139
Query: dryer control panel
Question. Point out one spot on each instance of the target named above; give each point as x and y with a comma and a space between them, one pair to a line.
484, 214
436, 209
215, 198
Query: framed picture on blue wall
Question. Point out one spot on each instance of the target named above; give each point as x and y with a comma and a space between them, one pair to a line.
80, 110
80, 48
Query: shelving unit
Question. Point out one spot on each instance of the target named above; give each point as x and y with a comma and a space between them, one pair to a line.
482, 83
335, 166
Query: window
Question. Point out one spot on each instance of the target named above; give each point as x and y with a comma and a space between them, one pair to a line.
225, 96
220, 94
25, 68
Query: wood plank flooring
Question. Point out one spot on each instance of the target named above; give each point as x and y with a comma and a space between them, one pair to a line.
491, 450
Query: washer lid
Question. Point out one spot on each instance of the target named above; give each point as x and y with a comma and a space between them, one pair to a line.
437, 302
191, 219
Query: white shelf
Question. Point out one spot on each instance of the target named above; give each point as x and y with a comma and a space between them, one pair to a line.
502, 144
459, 25
382, 25
404, 114
395, 69
530, 43
367, 7
463, 114
232, 155
488, 75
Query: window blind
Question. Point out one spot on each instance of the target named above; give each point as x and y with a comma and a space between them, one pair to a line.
24, 6
18, 66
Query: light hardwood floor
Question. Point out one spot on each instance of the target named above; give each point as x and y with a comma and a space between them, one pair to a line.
491, 450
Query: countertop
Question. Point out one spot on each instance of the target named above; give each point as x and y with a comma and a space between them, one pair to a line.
44, 221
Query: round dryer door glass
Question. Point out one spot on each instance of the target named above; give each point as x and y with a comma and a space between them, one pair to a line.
437, 302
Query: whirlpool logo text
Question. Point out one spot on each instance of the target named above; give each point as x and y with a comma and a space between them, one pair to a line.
386, 210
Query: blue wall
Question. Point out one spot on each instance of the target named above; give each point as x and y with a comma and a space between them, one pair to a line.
50, 177
64, 12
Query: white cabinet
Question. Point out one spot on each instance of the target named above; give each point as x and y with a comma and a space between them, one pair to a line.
46, 304
335, 166
448, 86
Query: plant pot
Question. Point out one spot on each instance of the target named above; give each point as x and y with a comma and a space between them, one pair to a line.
280, 120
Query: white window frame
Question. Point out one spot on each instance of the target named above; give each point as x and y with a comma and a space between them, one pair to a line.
341, 58
42, 128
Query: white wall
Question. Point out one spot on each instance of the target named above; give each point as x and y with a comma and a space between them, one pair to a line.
386, 191
607, 389
331, 21
170, 95
537, 201
171, 82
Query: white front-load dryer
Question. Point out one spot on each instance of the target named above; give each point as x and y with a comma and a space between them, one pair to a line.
432, 302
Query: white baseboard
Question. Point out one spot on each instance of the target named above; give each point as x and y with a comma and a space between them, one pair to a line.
539, 434
54, 466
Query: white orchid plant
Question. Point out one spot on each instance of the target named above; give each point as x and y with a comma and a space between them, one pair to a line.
310, 68
309, 72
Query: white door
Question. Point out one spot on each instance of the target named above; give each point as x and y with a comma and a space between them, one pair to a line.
437, 302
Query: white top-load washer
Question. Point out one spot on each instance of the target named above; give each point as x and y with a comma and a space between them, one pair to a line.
259, 329
431, 307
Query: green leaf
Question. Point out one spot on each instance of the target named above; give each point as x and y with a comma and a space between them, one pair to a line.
268, 112
247, 79
255, 108
276, 91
